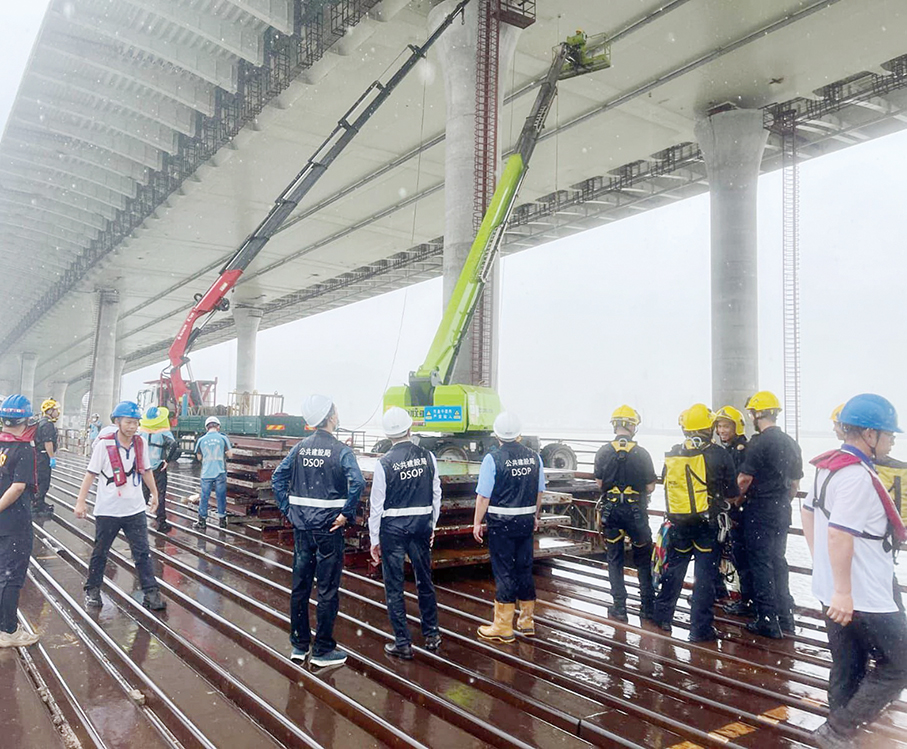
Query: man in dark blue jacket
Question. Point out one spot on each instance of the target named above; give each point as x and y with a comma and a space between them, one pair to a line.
317, 486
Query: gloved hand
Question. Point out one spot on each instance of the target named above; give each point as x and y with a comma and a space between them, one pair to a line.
53, 462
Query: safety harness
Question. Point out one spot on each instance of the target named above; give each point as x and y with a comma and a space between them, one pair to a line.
120, 474
833, 461
605, 505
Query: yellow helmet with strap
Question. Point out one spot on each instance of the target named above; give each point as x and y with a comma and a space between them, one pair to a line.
624, 415
729, 413
836, 414
764, 400
697, 418
49, 405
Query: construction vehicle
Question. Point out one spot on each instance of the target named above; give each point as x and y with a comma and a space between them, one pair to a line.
461, 416
183, 395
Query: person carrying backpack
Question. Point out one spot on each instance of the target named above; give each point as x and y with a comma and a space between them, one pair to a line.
163, 449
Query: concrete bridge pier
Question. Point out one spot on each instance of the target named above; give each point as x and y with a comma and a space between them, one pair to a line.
55, 389
119, 365
28, 363
732, 142
247, 321
456, 51
104, 385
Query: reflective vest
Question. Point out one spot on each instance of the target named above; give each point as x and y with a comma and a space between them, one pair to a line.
318, 486
686, 484
516, 488
120, 474
622, 447
894, 478
409, 472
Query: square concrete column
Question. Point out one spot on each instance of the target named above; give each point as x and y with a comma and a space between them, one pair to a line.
247, 321
457, 55
104, 386
119, 366
732, 143
55, 389
28, 363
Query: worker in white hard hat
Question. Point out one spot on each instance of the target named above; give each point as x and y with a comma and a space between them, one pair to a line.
404, 506
213, 449
509, 498
317, 486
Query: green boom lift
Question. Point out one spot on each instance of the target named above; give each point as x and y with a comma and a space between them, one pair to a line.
463, 414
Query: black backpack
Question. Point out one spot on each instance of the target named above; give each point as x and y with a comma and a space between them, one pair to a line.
171, 450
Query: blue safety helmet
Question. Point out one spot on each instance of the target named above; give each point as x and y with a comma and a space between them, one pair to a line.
15, 409
126, 410
870, 412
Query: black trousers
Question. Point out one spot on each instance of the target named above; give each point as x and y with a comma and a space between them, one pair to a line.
14, 553
697, 540
160, 481
741, 560
765, 533
318, 554
135, 528
43, 476
857, 693
394, 547
629, 519
511, 563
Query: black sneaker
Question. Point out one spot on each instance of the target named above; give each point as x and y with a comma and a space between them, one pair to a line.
709, 635
433, 642
164, 527
739, 608
646, 614
787, 626
619, 613
93, 598
399, 651
222, 522
663, 626
765, 627
154, 601
200, 524
828, 737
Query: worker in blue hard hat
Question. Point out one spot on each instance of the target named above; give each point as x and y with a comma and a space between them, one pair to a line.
626, 477
17, 486
213, 449
853, 529
509, 499
119, 464
404, 505
45, 449
699, 482
769, 479
163, 449
318, 486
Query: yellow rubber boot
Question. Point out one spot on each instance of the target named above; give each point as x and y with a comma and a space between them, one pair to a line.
502, 627
525, 623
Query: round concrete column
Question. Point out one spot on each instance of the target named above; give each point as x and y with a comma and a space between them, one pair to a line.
104, 384
247, 321
55, 389
457, 55
28, 364
732, 143
119, 365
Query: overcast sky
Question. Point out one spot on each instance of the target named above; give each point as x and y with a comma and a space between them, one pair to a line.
617, 314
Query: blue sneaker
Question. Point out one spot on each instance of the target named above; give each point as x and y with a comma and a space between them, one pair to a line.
335, 658
299, 655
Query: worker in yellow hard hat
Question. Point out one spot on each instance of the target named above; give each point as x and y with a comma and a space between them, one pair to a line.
45, 452
836, 422
769, 478
625, 474
163, 449
699, 481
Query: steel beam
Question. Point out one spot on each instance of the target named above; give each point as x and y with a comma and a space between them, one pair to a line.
8, 208
61, 237
196, 60
177, 85
93, 174
42, 176
51, 206
276, 13
58, 194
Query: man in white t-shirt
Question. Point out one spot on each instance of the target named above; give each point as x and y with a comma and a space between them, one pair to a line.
120, 464
852, 526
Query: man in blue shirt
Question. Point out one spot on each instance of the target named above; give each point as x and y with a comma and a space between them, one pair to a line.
511, 483
213, 449
317, 486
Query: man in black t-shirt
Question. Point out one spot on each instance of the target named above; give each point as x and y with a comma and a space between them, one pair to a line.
626, 477
46, 449
17, 487
769, 478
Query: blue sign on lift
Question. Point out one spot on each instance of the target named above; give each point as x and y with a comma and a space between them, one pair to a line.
447, 414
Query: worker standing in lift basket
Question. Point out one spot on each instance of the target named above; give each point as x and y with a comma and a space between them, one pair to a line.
404, 506
511, 484
699, 481
853, 530
119, 462
730, 429
213, 449
625, 474
769, 478
17, 486
317, 486
46, 448
163, 449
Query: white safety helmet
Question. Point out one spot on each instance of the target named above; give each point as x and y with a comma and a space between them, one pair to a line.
211, 420
507, 427
315, 409
396, 422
